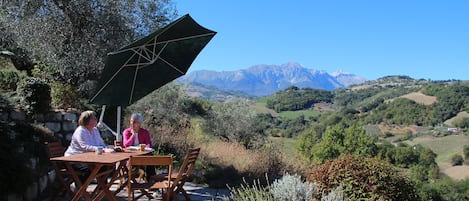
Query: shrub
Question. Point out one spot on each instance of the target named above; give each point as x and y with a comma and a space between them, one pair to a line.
363, 179
254, 192
5, 104
35, 95
335, 195
292, 187
64, 96
9, 79
457, 160
466, 151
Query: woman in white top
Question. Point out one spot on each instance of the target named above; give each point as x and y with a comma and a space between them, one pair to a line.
86, 138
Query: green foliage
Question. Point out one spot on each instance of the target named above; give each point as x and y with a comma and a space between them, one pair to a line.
370, 97
410, 156
196, 106
5, 104
466, 151
35, 95
163, 109
457, 160
445, 189
9, 79
363, 179
282, 127
293, 98
292, 187
402, 111
452, 99
254, 192
232, 121
338, 141
64, 96
295, 114
75, 36
307, 141
462, 123
49, 73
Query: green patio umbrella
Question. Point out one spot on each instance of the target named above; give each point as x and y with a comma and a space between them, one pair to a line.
145, 65
136, 70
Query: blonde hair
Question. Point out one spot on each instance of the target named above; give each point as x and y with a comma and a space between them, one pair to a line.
85, 117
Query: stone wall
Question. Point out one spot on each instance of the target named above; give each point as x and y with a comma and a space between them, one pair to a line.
62, 124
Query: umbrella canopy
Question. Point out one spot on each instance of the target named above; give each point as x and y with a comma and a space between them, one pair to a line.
136, 70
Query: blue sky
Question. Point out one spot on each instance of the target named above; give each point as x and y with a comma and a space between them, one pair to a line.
424, 39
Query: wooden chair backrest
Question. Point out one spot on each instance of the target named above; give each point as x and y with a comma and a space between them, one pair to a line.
54, 149
191, 158
187, 166
150, 160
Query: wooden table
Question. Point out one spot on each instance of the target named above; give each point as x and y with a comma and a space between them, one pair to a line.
95, 163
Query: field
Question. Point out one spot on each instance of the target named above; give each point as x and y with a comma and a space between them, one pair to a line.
259, 107
295, 114
445, 148
421, 98
459, 116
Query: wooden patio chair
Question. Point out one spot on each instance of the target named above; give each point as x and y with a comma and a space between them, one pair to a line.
55, 149
180, 177
163, 185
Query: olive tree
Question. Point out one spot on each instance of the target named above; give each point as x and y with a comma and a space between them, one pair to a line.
164, 112
73, 37
232, 121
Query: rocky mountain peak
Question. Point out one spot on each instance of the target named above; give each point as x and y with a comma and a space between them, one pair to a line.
263, 79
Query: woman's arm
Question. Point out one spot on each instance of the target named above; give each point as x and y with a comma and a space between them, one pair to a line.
128, 137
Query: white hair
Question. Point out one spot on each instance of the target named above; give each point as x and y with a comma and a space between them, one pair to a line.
137, 116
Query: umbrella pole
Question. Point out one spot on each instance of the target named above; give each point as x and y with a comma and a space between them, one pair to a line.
103, 109
118, 136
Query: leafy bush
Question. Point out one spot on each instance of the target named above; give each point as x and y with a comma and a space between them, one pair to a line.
466, 151
462, 122
9, 79
5, 105
292, 187
457, 160
64, 96
35, 95
363, 179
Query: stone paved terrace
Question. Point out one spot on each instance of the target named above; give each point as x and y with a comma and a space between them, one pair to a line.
196, 192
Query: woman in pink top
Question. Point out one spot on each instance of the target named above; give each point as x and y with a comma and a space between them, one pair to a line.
134, 135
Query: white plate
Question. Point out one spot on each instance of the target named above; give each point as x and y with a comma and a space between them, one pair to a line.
138, 148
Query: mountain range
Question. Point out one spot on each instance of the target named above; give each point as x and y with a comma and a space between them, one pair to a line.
262, 80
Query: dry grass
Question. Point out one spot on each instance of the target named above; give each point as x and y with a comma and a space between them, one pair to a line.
445, 147
457, 172
400, 130
235, 155
459, 116
221, 163
421, 98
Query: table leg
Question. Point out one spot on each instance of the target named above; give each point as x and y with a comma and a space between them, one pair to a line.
82, 190
104, 186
